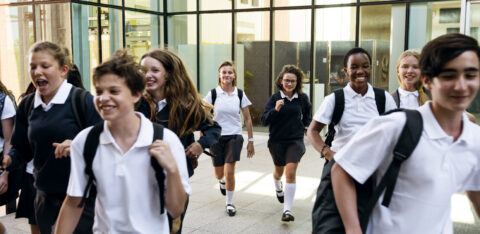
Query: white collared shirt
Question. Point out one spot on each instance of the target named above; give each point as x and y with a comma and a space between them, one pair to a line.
161, 104
7, 112
128, 196
295, 95
437, 168
227, 110
408, 99
59, 98
358, 110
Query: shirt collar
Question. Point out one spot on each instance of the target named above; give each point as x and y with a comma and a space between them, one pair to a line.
220, 91
405, 92
144, 138
161, 104
295, 95
59, 98
350, 93
435, 131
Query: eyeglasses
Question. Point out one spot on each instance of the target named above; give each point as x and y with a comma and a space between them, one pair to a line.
289, 81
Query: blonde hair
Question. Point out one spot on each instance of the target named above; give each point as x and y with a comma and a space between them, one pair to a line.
422, 96
225, 64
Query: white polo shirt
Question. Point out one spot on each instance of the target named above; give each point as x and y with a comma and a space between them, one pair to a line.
59, 98
358, 110
408, 99
437, 168
128, 196
8, 112
227, 110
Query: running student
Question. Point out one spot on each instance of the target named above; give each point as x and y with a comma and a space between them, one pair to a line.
128, 192
410, 94
446, 159
44, 127
172, 100
288, 112
227, 109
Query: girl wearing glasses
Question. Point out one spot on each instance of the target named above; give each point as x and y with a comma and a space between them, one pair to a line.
288, 113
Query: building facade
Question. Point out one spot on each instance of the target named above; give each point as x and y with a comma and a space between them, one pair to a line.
259, 35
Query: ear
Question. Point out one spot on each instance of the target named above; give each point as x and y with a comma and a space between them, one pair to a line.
427, 83
64, 70
136, 97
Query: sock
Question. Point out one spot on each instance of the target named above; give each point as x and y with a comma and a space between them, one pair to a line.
289, 195
222, 184
229, 197
278, 184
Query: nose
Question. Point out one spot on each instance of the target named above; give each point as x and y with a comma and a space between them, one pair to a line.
461, 82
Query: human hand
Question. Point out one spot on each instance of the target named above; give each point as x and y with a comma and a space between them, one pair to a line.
7, 160
3, 182
62, 149
279, 104
250, 149
194, 150
161, 152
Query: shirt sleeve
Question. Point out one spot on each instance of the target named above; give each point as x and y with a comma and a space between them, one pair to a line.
208, 98
325, 111
211, 133
178, 153
19, 138
363, 155
78, 179
8, 108
390, 103
245, 100
307, 116
269, 112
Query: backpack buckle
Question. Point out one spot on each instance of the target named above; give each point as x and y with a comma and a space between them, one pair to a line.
399, 156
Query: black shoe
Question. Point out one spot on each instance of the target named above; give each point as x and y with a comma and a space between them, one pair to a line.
287, 216
280, 194
222, 190
231, 210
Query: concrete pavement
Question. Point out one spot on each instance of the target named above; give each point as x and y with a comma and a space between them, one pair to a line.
258, 210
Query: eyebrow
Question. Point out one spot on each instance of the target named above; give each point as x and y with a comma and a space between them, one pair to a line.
468, 69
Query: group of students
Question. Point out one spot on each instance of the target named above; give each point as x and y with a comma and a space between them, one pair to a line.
121, 161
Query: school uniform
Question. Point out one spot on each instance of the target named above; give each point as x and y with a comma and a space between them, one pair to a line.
227, 114
358, 110
33, 135
437, 168
287, 127
405, 99
127, 189
25, 206
8, 111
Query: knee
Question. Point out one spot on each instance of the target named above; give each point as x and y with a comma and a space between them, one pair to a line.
290, 176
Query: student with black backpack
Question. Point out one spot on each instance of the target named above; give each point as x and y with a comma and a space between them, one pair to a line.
137, 181
445, 160
288, 112
228, 101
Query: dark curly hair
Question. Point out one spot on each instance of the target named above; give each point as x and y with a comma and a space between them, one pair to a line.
356, 50
290, 68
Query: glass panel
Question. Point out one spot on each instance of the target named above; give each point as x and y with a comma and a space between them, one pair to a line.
182, 39
15, 40
152, 5
279, 3
141, 32
292, 43
53, 23
474, 32
252, 59
206, 5
112, 2
328, 2
333, 39
181, 5
112, 31
242, 4
375, 28
216, 47
432, 19
13, 1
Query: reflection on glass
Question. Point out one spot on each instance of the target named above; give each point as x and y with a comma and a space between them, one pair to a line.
181, 5
111, 2
111, 31
252, 59
474, 32
279, 3
182, 39
292, 42
328, 2
333, 39
54, 23
15, 39
152, 5
242, 4
141, 32
206, 5
216, 47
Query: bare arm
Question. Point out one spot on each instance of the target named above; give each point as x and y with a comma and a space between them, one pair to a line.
313, 134
248, 122
474, 197
7, 128
69, 215
346, 199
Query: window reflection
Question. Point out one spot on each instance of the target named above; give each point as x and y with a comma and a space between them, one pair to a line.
182, 38
141, 32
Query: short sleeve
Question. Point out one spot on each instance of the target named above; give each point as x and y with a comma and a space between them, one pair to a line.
208, 98
8, 108
78, 178
389, 102
245, 101
178, 153
325, 111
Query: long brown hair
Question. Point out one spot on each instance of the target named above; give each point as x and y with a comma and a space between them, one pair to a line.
422, 96
187, 110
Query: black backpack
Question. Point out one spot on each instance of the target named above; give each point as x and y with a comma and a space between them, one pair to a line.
214, 96
90, 148
340, 106
325, 216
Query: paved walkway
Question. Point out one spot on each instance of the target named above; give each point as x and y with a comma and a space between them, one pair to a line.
258, 210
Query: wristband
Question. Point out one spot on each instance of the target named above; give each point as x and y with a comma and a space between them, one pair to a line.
250, 139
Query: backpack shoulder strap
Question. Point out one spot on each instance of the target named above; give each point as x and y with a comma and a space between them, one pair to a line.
337, 115
380, 100
406, 144
214, 95
89, 151
78, 106
240, 97
396, 97
158, 135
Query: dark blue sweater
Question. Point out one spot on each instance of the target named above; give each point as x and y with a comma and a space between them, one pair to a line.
289, 123
34, 135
